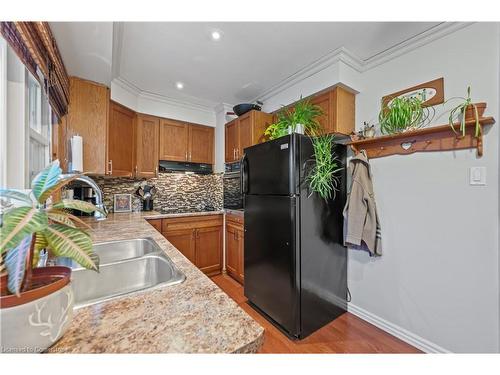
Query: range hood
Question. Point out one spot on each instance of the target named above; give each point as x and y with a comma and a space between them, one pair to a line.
184, 167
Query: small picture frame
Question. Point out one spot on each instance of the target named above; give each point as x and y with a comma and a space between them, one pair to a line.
122, 203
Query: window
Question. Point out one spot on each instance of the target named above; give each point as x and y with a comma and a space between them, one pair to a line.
25, 122
38, 125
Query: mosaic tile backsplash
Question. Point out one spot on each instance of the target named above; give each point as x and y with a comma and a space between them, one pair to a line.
177, 192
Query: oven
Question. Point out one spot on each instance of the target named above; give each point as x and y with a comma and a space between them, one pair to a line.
233, 197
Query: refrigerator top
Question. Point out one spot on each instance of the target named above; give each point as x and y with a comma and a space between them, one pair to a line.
274, 167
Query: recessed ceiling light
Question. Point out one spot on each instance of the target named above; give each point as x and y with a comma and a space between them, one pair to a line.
216, 35
179, 85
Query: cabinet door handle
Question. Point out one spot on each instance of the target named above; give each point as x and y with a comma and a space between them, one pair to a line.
186, 156
156, 171
234, 154
190, 156
110, 165
136, 173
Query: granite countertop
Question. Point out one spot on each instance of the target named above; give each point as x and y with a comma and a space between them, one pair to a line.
193, 317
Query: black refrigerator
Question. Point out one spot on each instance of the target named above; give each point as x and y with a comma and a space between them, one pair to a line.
295, 262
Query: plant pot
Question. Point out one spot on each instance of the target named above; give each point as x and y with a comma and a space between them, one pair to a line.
299, 128
470, 113
38, 318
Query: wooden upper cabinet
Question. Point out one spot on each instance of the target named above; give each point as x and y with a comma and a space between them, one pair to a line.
121, 141
181, 141
88, 114
339, 107
174, 140
231, 140
147, 145
201, 144
245, 131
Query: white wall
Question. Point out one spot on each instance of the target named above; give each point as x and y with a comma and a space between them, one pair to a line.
437, 283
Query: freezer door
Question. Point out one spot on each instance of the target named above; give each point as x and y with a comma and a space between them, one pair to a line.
270, 168
271, 259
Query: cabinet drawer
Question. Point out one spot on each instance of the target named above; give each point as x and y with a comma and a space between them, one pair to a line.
191, 222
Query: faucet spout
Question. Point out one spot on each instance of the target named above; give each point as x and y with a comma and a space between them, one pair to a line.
99, 200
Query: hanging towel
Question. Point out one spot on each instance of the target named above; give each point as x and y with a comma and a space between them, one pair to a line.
361, 222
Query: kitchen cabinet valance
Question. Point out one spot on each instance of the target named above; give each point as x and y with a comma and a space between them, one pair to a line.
35, 45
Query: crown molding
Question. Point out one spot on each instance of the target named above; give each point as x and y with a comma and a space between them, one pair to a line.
343, 55
196, 103
126, 85
223, 107
339, 55
434, 33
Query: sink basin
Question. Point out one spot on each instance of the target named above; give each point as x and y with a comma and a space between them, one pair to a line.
125, 267
113, 251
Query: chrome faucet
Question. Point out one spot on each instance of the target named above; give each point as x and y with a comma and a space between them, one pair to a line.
99, 201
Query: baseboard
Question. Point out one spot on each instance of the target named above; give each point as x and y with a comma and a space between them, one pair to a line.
395, 330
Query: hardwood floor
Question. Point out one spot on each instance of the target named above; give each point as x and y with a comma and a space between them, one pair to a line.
346, 334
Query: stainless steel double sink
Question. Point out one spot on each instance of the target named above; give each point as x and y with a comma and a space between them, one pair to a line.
126, 267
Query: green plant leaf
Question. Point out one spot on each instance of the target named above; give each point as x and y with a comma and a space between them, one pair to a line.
16, 195
45, 179
57, 186
15, 262
60, 217
18, 223
71, 242
76, 204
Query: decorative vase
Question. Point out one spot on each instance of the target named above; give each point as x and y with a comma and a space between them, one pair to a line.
36, 320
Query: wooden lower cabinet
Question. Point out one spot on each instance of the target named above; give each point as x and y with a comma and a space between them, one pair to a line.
198, 238
209, 249
185, 241
235, 253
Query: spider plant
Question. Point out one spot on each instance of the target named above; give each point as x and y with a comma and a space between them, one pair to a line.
323, 178
404, 113
460, 112
39, 223
304, 113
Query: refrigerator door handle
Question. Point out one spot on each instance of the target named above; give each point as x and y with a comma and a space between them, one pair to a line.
244, 174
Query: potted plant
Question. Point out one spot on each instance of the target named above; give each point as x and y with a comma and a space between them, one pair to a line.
36, 304
302, 119
467, 111
322, 176
404, 113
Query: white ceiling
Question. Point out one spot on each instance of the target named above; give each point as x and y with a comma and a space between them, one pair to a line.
247, 60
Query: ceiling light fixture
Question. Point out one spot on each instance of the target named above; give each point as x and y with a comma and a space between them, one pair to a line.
216, 35
179, 85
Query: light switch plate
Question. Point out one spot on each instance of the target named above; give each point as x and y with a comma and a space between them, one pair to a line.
477, 176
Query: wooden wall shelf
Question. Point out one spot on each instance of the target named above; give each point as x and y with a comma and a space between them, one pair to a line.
436, 138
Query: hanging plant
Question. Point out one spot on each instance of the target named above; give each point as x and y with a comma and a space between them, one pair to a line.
323, 178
